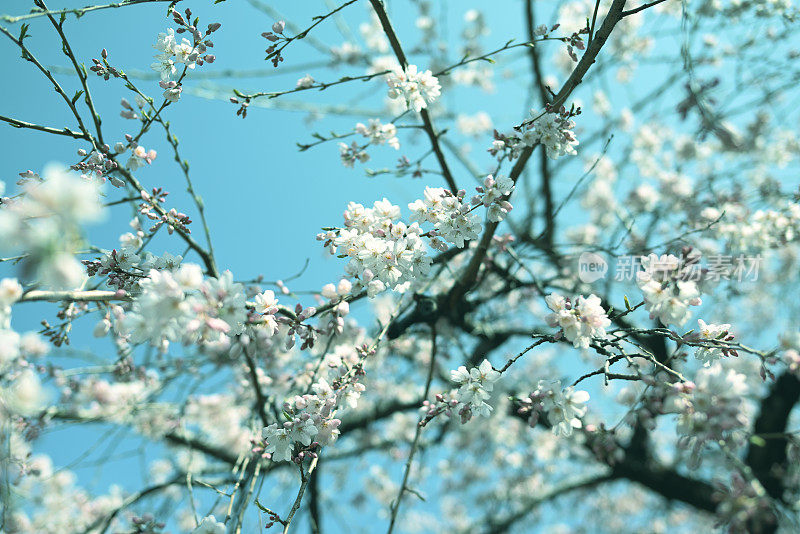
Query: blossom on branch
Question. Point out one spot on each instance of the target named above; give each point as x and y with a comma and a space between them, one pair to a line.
475, 387
417, 89
554, 131
563, 408
669, 287
581, 321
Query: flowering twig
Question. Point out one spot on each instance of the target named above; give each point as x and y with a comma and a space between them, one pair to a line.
426, 119
275, 55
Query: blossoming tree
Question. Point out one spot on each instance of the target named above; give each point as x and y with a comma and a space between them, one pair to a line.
622, 342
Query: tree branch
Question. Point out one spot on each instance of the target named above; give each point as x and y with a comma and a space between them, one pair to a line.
47, 129
78, 12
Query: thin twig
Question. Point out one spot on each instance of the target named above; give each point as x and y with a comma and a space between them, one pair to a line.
417, 434
47, 129
78, 12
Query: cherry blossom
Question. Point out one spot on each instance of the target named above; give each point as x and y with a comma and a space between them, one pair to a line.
417, 89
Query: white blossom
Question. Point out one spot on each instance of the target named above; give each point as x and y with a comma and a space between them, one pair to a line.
210, 525
417, 89
352, 153
10, 292
581, 321
45, 223
711, 407
452, 219
25, 395
553, 131
140, 157
383, 251
379, 134
493, 196
475, 387
170, 53
667, 289
563, 407
167, 310
711, 332
305, 82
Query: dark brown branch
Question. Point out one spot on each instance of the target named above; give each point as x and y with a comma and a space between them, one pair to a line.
768, 460
498, 526
644, 470
667, 483
206, 448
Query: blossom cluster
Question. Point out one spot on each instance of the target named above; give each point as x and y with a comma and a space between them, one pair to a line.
140, 157
753, 231
669, 287
474, 125
210, 525
172, 53
124, 266
790, 344
44, 224
267, 306
711, 333
742, 504
184, 306
61, 505
340, 308
417, 89
562, 407
310, 421
475, 388
378, 133
553, 131
711, 407
95, 165
114, 401
10, 292
493, 195
452, 219
351, 153
22, 392
383, 251
581, 321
